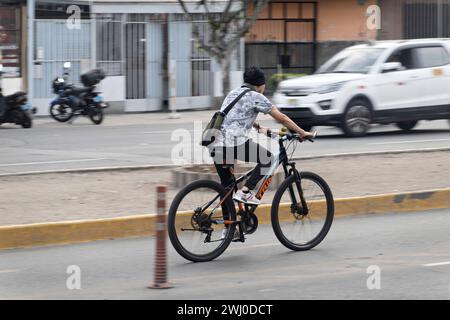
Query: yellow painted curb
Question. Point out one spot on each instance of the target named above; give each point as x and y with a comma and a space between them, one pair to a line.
40, 234
396, 202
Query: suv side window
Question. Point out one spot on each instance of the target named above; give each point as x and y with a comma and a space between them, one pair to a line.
404, 56
428, 57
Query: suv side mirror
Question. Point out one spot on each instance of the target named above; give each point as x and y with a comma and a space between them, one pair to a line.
391, 66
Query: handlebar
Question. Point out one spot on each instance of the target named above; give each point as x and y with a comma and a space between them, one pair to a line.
291, 136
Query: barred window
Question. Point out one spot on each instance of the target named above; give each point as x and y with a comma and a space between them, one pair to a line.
10, 40
109, 46
426, 19
201, 64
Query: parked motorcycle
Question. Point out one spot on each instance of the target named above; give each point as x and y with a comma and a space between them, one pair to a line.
14, 108
72, 101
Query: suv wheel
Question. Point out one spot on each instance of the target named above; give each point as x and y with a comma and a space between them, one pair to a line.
357, 118
407, 125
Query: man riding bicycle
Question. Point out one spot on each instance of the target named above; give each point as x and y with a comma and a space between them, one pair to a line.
232, 143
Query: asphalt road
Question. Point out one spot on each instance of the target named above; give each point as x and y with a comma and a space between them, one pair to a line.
145, 139
411, 250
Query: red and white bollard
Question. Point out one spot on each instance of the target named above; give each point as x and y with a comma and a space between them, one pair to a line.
160, 280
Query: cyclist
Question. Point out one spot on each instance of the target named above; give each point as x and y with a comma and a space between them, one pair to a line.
232, 142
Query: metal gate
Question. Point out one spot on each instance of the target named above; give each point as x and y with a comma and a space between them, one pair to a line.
284, 36
426, 19
154, 65
135, 66
193, 66
55, 44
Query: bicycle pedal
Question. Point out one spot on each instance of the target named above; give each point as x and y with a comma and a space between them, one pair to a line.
239, 240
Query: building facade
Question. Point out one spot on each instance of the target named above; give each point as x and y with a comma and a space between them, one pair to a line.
146, 48
415, 19
298, 36
151, 58
13, 44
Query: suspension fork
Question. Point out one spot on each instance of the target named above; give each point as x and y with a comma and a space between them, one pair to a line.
293, 171
298, 179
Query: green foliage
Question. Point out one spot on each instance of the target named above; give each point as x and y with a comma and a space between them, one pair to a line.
278, 77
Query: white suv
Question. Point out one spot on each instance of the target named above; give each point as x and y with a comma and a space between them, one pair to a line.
385, 82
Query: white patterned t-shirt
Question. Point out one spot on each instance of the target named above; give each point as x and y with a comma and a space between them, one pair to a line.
239, 121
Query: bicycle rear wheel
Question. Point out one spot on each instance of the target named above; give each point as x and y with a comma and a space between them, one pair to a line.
197, 221
302, 225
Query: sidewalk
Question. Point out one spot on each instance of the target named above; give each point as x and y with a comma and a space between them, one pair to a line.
140, 118
94, 195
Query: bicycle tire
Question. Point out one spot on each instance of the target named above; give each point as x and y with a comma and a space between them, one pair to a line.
329, 215
171, 225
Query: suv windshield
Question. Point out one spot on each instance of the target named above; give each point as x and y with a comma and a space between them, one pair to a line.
352, 61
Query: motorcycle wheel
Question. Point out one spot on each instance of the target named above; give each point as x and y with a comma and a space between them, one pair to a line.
27, 121
61, 112
96, 115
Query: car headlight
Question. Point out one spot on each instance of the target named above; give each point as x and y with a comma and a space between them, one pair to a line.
330, 87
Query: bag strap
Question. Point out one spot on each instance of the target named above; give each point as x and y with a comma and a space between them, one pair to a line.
231, 105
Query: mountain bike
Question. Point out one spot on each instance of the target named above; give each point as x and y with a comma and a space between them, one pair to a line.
203, 216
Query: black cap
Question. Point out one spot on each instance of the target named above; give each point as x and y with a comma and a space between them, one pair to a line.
254, 76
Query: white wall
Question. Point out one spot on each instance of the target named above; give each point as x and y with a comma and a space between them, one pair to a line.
236, 80
11, 85
113, 88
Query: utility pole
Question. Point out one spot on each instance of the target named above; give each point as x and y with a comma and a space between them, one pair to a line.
173, 89
30, 48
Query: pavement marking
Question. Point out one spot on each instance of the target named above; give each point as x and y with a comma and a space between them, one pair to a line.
406, 141
267, 290
9, 271
49, 162
437, 264
168, 131
156, 132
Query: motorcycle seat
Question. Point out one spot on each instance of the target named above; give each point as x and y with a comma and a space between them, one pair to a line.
14, 96
80, 90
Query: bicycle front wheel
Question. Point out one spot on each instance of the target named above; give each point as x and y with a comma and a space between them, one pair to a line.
301, 223
199, 221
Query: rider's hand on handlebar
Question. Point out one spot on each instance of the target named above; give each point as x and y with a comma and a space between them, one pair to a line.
308, 136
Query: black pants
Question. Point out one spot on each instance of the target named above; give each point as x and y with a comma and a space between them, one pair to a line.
3, 106
250, 151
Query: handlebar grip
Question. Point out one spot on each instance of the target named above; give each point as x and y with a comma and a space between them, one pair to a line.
313, 137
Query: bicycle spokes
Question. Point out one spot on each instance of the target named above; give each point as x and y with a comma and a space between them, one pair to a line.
303, 212
199, 221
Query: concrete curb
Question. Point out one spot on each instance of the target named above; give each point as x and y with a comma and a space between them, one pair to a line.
41, 234
171, 166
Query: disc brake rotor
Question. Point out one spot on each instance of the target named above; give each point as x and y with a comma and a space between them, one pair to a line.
297, 212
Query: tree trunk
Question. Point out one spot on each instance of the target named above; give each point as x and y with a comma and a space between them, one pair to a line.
225, 66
